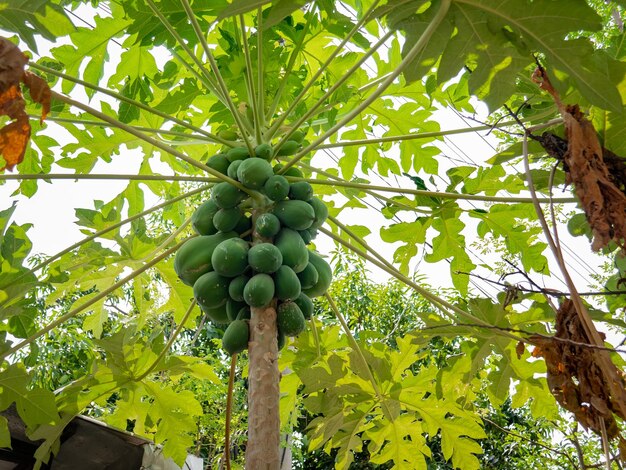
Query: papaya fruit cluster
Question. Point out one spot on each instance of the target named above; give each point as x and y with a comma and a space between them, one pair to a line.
251, 251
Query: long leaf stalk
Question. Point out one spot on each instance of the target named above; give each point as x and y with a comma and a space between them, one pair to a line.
340, 47
414, 136
201, 77
259, 70
153, 142
118, 96
207, 79
72, 313
106, 176
378, 197
444, 306
250, 82
169, 343
359, 352
340, 81
85, 122
288, 69
410, 56
104, 231
442, 195
360, 241
216, 71
172, 237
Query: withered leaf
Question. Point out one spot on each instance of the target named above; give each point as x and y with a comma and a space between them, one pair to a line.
39, 92
12, 62
13, 141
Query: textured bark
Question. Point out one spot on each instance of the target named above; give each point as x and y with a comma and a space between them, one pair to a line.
262, 452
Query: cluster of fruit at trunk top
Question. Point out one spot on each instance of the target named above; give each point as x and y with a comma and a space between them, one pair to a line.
252, 250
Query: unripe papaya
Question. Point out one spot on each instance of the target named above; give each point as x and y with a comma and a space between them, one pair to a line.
232, 169
301, 190
230, 258
287, 284
325, 275
226, 220
306, 305
217, 315
290, 319
320, 210
193, 258
254, 172
219, 163
298, 215
267, 225
227, 134
276, 187
288, 148
291, 171
211, 290
265, 258
226, 196
236, 337
237, 153
259, 290
264, 151
293, 249
202, 218
233, 307
236, 286
308, 276
297, 136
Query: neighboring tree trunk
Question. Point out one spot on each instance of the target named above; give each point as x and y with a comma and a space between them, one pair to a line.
262, 452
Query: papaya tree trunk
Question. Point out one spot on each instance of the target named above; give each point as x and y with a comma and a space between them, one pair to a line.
262, 451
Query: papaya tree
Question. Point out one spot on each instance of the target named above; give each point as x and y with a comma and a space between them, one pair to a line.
251, 136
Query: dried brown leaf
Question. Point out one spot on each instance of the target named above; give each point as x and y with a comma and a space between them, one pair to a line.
39, 92
12, 62
13, 141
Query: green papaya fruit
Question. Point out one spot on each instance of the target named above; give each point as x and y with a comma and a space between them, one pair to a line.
292, 247
211, 290
287, 284
237, 153
264, 151
226, 220
236, 286
290, 319
228, 134
254, 172
298, 215
232, 169
320, 210
265, 258
306, 305
226, 196
276, 187
219, 163
217, 315
236, 337
289, 148
230, 257
308, 276
202, 218
267, 225
291, 171
259, 290
301, 190
325, 275
233, 307
193, 258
